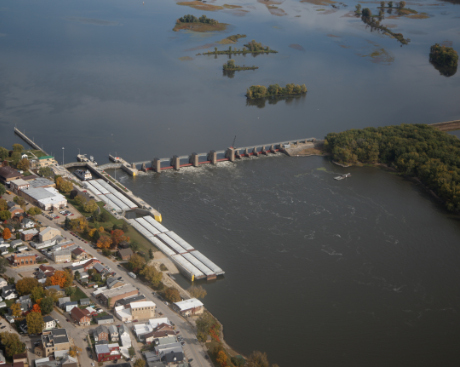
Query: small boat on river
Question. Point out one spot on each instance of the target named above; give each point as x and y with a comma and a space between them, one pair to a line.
341, 177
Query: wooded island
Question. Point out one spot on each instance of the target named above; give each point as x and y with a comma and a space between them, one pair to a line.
275, 91
252, 47
201, 24
444, 59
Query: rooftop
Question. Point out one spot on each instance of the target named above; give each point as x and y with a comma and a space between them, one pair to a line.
8, 172
188, 304
20, 182
40, 182
118, 291
128, 300
46, 157
142, 304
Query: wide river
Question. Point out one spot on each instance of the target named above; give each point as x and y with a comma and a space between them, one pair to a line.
361, 272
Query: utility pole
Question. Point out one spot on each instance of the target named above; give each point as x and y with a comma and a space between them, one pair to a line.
62, 155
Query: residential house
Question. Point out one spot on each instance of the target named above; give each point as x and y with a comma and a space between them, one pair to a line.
110, 296
150, 337
55, 342
62, 301
125, 253
8, 174
19, 184
48, 233
124, 336
114, 282
16, 210
69, 361
27, 223
141, 329
3, 283
21, 357
9, 292
46, 270
85, 301
16, 243
84, 265
25, 302
70, 305
49, 323
107, 352
189, 307
113, 332
102, 320
28, 234
101, 333
81, 316
4, 248
79, 254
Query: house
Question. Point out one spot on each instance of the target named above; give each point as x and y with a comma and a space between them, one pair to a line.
27, 223
16, 210
107, 352
23, 259
113, 333
92, 311
114, 282
8, 174
55, 342
150, 337
189, 307
49, 323
84, 265
16, 243
110, 296
81, 316
70, 305
69, 361
123, 334
48, 233
101, 333
3, 283
125, 253
21, 357
62, 301
19, 184
46, 161
79, 254
85, 302
9, 292
46, 271
141, 329
25, 302
108, 319
22, 326
29, 234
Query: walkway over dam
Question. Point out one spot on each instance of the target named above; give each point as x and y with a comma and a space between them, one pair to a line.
213, 157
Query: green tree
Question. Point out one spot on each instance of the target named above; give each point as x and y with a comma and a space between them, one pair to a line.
47, 305
67, 223
26, 285
152, 275
150, 254
12, 343
134, 246
37, 294
16, 310
18, 148
139, 363
3, 204
382, 4
90, 206
136, 262
105, 217
34, 322
257, 359
34, 211
46, 172
172, 295
5, 215
70, 291
2, 189
24, 164
3, 264
131, 351
77, 275
3, 153
402, 4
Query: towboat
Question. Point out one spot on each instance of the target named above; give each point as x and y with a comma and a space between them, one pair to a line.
341, 177
83, 175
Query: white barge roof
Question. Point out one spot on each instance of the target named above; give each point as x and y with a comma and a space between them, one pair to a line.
124, 199
91, 188
180, 241
171, 243
110, 203
207, 262
187, 266
140, 229
147, 226
198, 264
161, 246
156, 224
117, 201
98, 186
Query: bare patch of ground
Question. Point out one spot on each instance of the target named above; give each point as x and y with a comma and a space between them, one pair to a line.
200, 6
204, 47
200, 27
419, 16
227, 6
271, 2
305, 149
318, 2
185, 58
333, 35
274, 10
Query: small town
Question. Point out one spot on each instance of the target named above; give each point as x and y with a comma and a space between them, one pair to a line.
81, 285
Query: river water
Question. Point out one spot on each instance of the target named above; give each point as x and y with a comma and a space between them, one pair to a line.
361, 272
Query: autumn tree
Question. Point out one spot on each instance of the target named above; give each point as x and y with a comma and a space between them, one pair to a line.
117, 236
139, 363
152, 275
12, 343
104, 242
222, 358
37, 294
172, 295
46, 172
7, 233
136, 262
47, 305
36, 308
24, 164
16, 310
62, 278
258, 359
26, 285
34, 322
74, 351
5, 215
3, 202
197, 291
90, 206
64, 185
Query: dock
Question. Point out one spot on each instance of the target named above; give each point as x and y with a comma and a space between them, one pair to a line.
29, 141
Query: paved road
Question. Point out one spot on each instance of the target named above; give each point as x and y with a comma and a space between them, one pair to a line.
192, 348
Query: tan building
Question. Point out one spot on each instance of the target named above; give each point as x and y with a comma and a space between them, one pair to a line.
48, 233
109, 297
79, 254
60, 257
17, 185
142, 310
46, 161
54, 342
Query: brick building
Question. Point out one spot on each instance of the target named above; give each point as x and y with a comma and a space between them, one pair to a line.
23, 259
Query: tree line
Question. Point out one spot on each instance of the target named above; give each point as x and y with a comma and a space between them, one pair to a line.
193, 19
444, 59
274, 91
230, 66
417, 150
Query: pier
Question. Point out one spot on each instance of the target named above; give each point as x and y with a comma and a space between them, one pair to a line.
28, 140
447, 126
